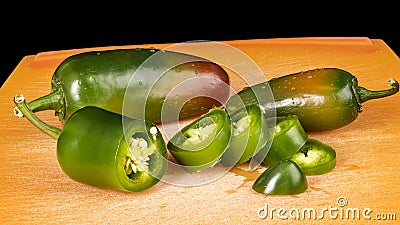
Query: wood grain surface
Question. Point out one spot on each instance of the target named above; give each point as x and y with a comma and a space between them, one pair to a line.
34, 190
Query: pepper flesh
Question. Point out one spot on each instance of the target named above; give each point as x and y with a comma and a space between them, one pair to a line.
322, 98
109, 79
103, 149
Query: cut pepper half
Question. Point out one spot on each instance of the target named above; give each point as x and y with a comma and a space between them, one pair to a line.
93, 149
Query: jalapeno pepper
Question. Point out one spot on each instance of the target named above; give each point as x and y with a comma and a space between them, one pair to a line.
250, 133
102, 149
200, 144
315, 158
323, 98
136, 78
283, 178
289, 136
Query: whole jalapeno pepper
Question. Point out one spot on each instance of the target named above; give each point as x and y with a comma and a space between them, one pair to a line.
249, 134
289, 136
322, 98
102, 149
139, 78
200, 144
283, 178
315, 158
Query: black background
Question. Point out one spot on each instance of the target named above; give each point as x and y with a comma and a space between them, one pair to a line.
40, 31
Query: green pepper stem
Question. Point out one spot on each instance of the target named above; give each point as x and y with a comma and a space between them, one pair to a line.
54, 101
22, 110
366, 94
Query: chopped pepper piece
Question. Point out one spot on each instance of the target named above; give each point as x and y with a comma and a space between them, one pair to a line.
250, 134
289, 137
200, 144
315, 158
283, 178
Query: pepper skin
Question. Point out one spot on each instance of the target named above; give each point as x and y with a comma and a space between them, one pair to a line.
102, 149
104, 78
322, 98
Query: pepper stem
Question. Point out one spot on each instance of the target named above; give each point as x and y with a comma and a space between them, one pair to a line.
53, 101
22, 110
366, 94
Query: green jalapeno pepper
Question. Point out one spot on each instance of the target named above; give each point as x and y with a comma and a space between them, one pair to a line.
289, 136
103, 149
200, 144
283, 178
323, 98
315, 158
139, 79
250, 133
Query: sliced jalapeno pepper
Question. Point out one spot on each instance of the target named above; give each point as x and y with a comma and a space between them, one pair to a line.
315, 157
289, 137
250, 134
104, 149
283, 178
200, 144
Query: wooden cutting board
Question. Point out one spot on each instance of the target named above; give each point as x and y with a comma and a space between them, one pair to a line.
34, 190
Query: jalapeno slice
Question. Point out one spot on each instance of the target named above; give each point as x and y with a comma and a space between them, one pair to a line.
283, 178
315, 158
249, 135
289, 137
200, 144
